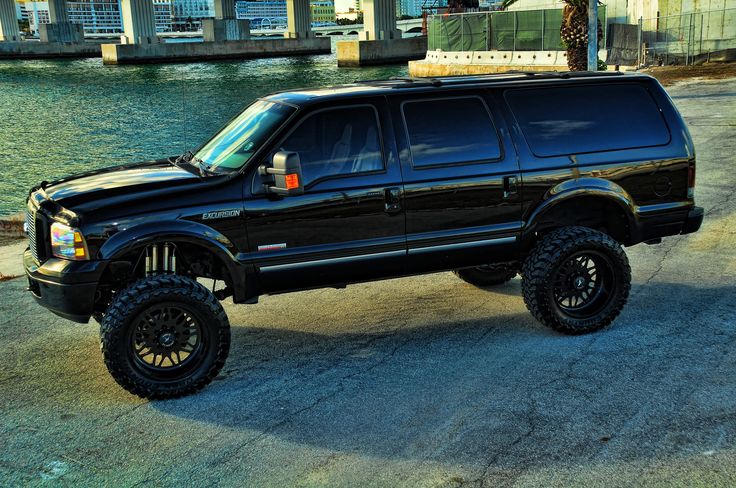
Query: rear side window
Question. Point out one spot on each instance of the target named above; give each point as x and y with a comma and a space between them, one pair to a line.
585, 119
450, 131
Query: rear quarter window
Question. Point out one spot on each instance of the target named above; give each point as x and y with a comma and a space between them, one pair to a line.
585, 119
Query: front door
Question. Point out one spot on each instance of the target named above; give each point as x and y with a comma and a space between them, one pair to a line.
461, 180
348, 226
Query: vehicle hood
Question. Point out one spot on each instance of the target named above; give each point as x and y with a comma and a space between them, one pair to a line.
121, 180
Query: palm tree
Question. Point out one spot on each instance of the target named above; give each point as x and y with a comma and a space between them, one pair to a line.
573, 31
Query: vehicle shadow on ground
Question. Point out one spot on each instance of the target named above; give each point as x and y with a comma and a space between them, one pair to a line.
484, 388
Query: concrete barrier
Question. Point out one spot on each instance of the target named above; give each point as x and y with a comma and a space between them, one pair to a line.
199, 51
353, 53
456, 63
202, 51
41, 50
12, 226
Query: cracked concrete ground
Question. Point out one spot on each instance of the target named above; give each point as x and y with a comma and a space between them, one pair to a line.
423, 381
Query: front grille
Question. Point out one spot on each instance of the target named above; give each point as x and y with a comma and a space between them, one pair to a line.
31, 229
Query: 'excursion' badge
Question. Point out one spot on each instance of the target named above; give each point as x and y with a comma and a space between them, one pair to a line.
221, 214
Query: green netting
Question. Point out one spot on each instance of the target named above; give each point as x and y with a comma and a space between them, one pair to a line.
523, 30
502, 30
551, 37
529, 30
466, 32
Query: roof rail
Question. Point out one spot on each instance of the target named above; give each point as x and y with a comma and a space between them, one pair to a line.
410, 82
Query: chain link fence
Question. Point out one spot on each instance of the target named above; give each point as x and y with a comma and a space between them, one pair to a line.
522, 30
687, 38
674, 39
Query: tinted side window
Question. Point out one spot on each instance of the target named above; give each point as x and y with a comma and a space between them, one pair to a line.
452, 130
337, 142
583, 119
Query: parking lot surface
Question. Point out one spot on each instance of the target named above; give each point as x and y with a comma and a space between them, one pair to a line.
423, 381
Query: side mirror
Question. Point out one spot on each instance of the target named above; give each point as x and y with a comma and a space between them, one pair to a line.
284, 176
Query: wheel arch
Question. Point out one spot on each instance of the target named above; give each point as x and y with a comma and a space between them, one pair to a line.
602, 203
194, 234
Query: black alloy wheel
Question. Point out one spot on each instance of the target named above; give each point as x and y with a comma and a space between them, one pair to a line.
576, 280
164, 336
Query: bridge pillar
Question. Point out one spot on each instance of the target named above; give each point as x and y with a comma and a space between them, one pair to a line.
8, 23
59, 29
139, 22
379, 21
225, 27
298, 19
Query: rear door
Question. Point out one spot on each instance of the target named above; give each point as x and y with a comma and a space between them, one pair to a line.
348, 226
461, 180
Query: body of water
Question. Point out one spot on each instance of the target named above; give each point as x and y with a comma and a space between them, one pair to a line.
63, 117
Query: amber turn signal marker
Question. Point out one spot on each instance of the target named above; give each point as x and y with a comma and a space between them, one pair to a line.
292, 181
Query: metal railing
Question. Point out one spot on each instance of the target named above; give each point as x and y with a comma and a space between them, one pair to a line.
686, 38
517, 30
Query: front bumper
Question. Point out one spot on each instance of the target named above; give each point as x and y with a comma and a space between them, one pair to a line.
66, 288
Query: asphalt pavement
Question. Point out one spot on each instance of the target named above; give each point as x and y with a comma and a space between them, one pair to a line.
414, 382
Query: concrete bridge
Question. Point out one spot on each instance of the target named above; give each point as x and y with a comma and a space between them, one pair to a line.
224, 36
410, 26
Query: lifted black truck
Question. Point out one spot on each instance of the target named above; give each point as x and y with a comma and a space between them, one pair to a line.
546, 174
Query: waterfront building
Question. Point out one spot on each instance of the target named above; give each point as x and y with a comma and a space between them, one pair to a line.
97, 16
323, 13
262, 15
271, 14
37, 13
415, 8
187, 15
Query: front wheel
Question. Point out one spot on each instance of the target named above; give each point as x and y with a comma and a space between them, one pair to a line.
576, 280
164, 336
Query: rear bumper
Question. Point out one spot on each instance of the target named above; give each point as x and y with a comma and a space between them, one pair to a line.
693, 221
670, 221
66, 288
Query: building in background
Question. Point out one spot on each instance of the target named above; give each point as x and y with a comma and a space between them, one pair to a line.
323, 13
97, 16
271, 14
163, 15
37, 13
262, 15
187, 15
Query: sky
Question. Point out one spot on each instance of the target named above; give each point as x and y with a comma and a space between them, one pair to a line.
343, 5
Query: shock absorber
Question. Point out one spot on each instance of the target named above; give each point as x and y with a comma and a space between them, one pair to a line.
160, 258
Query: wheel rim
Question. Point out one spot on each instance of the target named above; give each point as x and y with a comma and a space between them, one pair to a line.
583, 284
166, 340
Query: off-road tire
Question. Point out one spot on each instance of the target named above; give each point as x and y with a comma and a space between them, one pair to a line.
545, 260
120, 320
489, 275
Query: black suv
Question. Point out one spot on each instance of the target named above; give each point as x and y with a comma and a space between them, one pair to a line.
546, 174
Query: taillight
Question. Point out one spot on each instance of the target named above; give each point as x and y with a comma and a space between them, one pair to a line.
691, 180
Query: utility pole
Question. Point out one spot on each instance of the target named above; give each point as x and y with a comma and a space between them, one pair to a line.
592, 35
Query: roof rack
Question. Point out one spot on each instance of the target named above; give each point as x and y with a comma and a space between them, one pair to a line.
410, 82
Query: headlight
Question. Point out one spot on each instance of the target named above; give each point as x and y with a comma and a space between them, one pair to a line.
67, 243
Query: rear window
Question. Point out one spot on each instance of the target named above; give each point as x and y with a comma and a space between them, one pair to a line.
450, 131
585, 119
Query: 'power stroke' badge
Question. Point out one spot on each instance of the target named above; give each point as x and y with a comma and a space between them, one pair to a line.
222, 214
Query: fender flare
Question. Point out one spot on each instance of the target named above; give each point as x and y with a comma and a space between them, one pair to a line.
187, 231
582, 187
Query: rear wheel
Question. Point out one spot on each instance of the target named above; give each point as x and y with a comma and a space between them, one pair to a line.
488, 274
576, 280
165, 336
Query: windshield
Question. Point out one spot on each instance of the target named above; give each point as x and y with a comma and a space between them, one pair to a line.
234, 145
